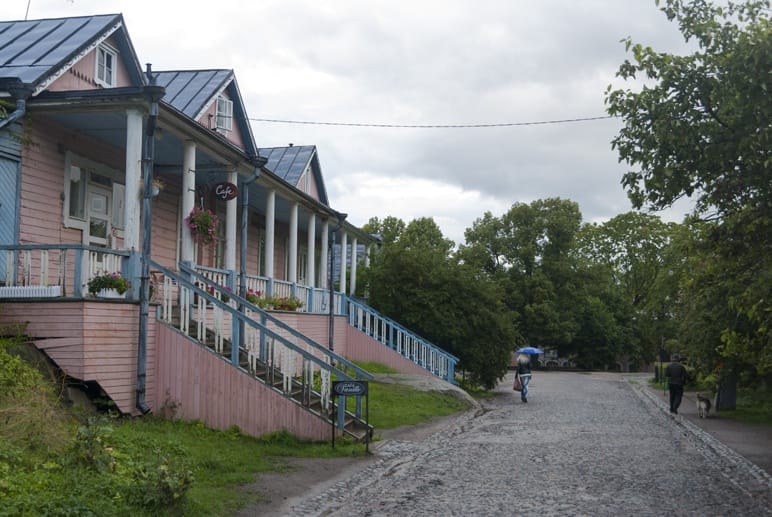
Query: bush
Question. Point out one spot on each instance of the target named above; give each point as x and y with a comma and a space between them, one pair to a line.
161, 483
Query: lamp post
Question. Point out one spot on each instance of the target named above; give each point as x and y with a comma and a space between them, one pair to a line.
341, 217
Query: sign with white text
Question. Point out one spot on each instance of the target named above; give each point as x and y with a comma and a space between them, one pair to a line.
226, 191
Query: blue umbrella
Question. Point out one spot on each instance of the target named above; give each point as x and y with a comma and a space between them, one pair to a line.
530, 350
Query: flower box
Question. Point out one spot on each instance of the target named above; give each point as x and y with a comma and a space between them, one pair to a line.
110, 293
28, 291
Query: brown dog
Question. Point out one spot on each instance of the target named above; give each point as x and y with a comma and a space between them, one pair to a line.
703, 405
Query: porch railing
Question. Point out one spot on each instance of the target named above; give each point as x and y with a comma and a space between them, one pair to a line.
315, 300
54, 270
401, 340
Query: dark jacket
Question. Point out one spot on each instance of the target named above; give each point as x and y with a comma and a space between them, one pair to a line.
523, 368
676, 374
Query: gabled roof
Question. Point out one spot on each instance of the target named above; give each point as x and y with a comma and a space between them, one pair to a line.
36, 52
192, 92
289, 163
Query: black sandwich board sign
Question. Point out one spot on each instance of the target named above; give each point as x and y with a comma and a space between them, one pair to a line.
351, 389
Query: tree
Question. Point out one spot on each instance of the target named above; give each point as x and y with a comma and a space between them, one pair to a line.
631, 251
527, 251
701, 128
415, 279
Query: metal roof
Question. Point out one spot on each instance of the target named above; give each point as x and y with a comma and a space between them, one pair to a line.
190, 90
289, 163
33, 51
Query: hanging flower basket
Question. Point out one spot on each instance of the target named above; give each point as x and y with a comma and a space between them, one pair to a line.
202, 224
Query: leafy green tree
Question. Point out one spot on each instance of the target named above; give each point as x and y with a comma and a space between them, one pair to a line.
700, 127
415, 279
630, 251
528, 252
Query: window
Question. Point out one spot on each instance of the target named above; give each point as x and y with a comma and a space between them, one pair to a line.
224, 119
105, 65
82, 175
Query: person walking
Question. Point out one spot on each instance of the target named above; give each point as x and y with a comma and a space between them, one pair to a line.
676, 380
523, 372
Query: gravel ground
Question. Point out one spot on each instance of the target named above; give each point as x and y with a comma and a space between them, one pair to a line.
584, 444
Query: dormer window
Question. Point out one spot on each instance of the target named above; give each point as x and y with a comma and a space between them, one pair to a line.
224, 119
106, 59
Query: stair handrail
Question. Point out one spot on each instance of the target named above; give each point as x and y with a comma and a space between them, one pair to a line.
452, 359
338, 359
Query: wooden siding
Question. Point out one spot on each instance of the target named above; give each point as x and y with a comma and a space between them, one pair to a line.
316, 327
209, 120
80, 76
351, 343
42, 180
361, 347
203, 386
166, 209
91, 341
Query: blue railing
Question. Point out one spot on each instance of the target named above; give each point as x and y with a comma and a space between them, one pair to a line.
315, 300
411, 346
406, 343
61, 270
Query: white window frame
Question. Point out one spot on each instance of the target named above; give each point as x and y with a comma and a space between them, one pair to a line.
79, 169
104, 73
224, 113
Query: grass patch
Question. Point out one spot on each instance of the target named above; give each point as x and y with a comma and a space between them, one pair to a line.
753, 407
55, 461
375, 368
395, 405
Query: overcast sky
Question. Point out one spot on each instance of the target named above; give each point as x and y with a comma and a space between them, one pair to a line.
423, 62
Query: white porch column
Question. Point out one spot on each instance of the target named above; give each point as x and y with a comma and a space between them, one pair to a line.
343, 260
230, 225
293, 244
324, 266
311, 262
367, 255
353, 286
188, 198
132, 196
270, 227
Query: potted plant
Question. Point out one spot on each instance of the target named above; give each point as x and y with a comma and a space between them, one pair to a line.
202, 224
253, 296
156, 186
287, 304
108, 285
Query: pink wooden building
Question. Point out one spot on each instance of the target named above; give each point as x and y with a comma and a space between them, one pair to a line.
101, 163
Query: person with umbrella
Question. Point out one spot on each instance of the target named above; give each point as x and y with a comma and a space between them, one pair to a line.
523, 371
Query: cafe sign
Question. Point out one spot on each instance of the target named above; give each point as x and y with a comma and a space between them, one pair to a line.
226, 191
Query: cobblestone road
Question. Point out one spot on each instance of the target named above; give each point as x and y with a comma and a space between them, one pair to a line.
584, 444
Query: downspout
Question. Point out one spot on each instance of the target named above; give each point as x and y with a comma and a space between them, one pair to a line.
154, 93
20, 92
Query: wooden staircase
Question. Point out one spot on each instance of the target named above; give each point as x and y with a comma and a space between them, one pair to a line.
299, 389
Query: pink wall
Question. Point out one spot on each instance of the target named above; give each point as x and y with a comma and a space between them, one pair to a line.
361, 347
204, 387
91, 341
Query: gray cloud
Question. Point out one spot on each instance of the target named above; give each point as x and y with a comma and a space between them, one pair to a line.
428, 62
